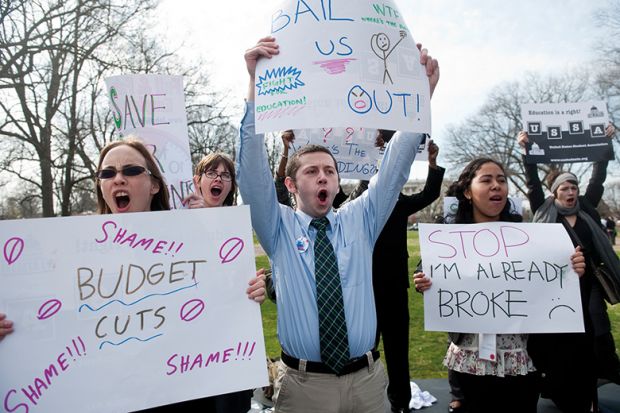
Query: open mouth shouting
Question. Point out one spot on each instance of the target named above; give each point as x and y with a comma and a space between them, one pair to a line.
216, 191
322, 195
122, 199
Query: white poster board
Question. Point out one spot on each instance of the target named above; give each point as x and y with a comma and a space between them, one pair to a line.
356, 155
342, 63
355, 150
117, 313
152, 107
500, 277
566, 132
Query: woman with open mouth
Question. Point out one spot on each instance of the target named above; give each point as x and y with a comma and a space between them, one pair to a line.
215, 184
129, 180
508, 382
572, 362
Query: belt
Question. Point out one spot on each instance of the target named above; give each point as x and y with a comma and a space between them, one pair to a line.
316, 367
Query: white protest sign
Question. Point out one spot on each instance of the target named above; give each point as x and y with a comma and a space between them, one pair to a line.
500, 277
152, 107
354, 149
342, 63
566, 132
117, 313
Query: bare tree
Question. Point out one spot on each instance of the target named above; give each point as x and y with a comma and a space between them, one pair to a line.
608, 79
54, 113
493, 130
47, 49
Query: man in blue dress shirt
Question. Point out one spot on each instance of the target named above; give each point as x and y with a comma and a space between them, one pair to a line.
287, 237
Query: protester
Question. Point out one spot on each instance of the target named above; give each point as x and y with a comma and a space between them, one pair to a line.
509, 383
572, 386
323, 375
390, 277
214, 180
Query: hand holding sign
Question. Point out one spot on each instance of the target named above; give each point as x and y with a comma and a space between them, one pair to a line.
266, 47
421, 282
6, 326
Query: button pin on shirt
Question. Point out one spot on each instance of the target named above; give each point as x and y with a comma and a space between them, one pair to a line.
302, 244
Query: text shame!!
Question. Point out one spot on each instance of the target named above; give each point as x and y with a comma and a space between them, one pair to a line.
28, 396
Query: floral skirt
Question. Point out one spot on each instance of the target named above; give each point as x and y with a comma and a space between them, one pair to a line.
511, 359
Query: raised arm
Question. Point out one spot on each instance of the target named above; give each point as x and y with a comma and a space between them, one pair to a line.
432, 187
253, 173
535, 193
595, 189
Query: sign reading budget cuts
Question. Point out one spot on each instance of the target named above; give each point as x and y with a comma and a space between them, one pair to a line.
566, 132
152, 107
500, 277
118, 313
342, 63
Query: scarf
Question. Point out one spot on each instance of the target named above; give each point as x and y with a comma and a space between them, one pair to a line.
549, 211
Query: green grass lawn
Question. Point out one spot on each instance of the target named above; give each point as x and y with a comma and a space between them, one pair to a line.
426, 348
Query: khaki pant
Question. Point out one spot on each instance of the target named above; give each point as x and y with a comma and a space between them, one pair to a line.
361, 391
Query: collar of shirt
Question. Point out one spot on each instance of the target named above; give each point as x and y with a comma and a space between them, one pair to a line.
305, 220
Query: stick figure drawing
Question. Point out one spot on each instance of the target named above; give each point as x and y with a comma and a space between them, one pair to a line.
380, 45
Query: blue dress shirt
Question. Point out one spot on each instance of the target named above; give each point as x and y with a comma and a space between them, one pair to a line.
288, 240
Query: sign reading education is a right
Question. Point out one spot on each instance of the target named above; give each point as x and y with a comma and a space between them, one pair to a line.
566, 132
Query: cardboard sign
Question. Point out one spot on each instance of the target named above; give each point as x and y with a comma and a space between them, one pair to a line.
566, 132
117, 313
342, 63
500, 277
152, 107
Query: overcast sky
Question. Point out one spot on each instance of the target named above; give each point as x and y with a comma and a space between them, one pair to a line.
479, 43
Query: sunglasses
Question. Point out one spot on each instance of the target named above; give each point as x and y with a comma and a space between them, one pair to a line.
132, 170
224, 176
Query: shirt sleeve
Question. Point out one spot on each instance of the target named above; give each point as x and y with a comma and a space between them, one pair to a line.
535, 193
256, 182
595, 189
432, 188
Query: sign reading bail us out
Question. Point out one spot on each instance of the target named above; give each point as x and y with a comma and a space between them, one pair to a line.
342, 63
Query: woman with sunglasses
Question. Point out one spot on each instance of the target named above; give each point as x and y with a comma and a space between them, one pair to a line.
509, 383
128, 180
215, 185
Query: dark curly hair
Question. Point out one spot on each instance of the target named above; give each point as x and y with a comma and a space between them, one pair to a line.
465, 211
